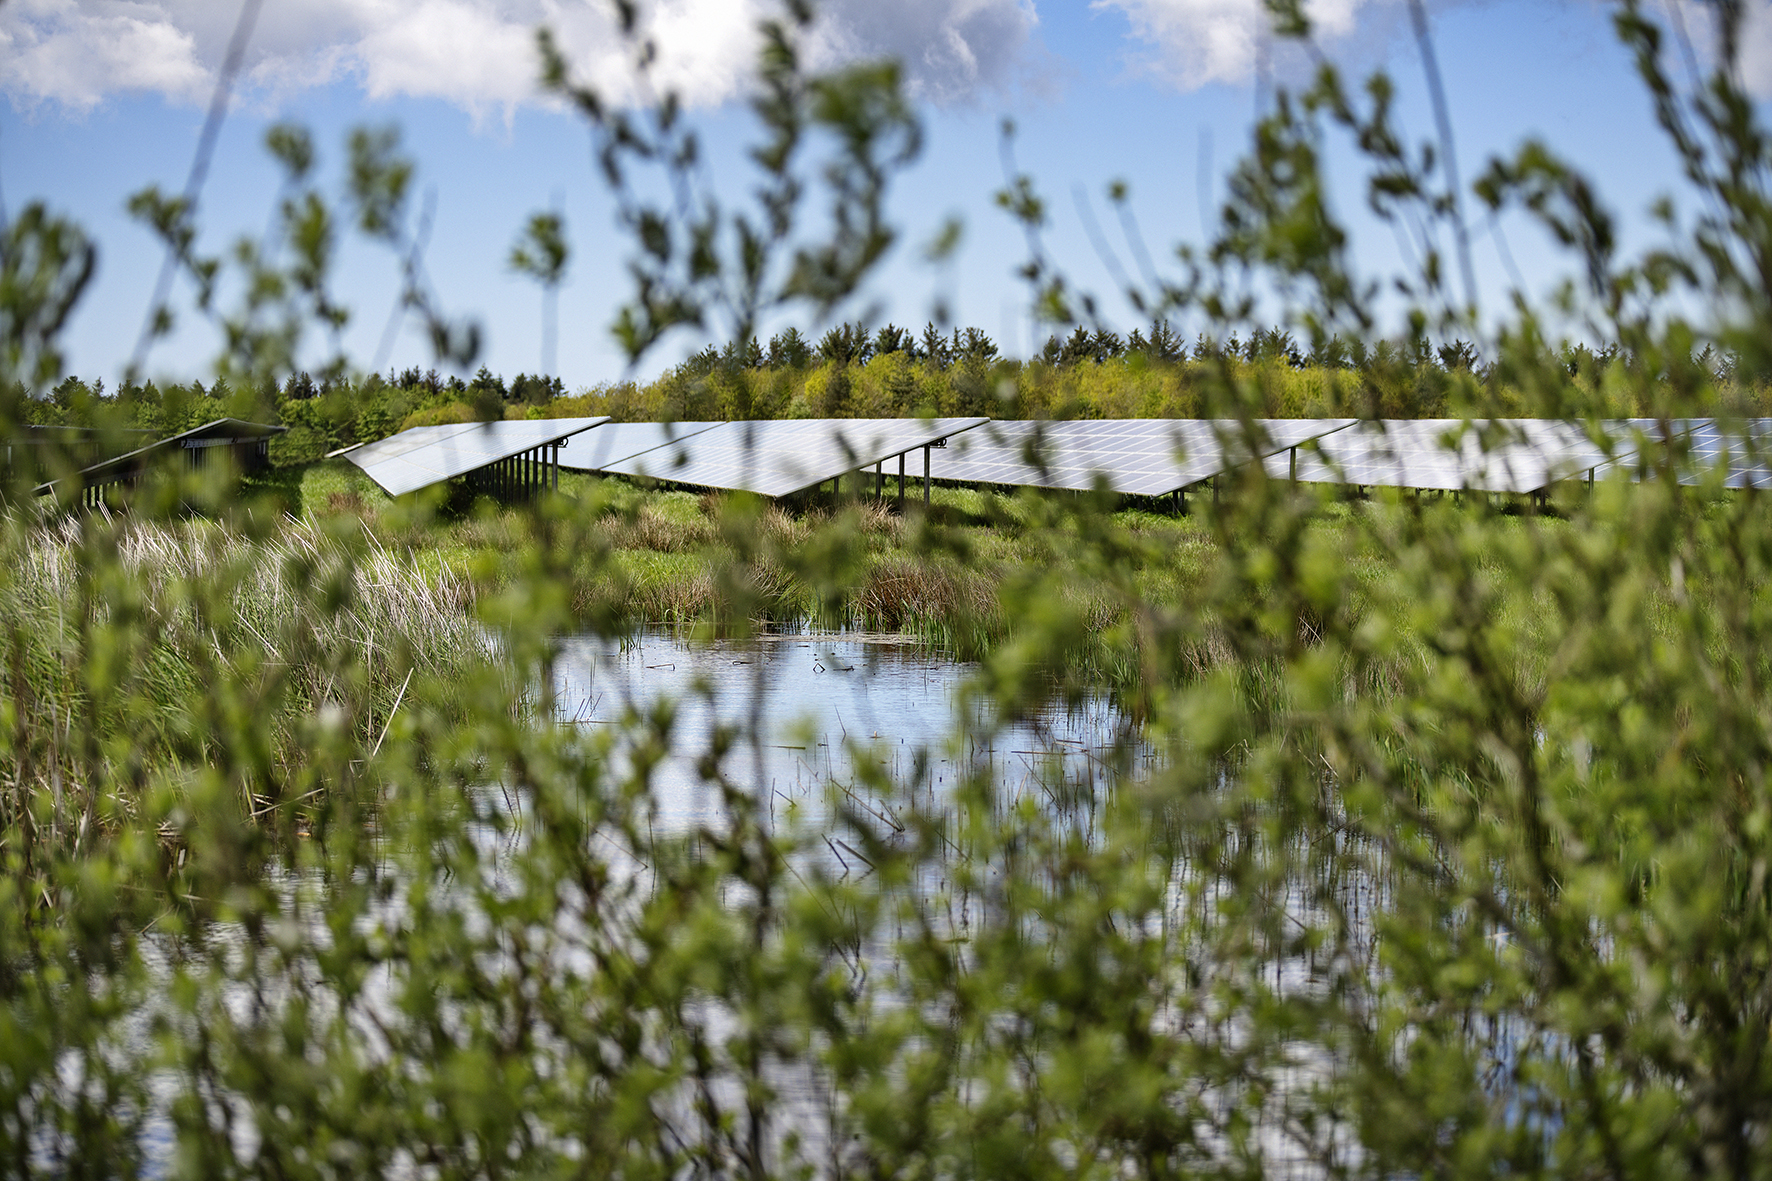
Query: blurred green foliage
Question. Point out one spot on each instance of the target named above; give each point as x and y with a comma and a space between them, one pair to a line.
1434, 838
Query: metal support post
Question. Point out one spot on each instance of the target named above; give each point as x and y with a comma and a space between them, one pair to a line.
1293, 452
925, 476
880, 480
901, 481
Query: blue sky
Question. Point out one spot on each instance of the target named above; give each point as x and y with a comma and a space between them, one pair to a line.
1156, 92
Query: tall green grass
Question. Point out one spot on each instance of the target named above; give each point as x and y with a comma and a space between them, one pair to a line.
297, 619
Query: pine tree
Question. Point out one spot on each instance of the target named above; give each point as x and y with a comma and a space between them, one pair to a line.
935, 346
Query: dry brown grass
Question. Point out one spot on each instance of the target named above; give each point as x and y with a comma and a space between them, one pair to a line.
903, 591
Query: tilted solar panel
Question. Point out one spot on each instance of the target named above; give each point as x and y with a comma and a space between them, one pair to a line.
779, 458
1135, 456
613, 442
1448, 454
1637, 443
1743, 447
427, 455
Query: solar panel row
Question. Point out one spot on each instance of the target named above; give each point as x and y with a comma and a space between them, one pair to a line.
1147, 457
427, 455
1134, 456
785, 456
1153, 457
1528, 455
1500, 455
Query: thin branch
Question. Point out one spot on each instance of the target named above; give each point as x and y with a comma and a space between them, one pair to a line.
413, 261
4, 220
1104, 249
1430, 64
218, 112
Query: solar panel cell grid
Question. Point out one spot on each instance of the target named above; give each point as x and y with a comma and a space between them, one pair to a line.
1503, 455
422, 456
1742, 447
782, 457
594, 451
1636, 442
1142, 456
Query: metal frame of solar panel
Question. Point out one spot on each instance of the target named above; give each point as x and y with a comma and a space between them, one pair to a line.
1522, 455
614, 442
1133, 456
510, 458
786, 456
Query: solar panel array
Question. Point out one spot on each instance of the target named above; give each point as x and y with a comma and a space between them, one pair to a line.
614, 442
1146, 457
426, 455
1496, 455
1135, 456
785, 456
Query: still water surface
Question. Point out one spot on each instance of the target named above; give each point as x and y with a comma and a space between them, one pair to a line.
820, 701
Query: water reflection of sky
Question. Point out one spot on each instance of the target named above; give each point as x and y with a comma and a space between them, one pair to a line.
811, 696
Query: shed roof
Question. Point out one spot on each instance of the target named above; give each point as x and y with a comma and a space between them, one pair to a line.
220, 433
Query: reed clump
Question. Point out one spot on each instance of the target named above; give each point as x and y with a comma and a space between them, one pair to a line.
112, 683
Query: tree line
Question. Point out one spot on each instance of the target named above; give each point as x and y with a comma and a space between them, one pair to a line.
851, 371
854, 344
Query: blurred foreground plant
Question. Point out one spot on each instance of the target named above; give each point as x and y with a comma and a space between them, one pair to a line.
1431, 835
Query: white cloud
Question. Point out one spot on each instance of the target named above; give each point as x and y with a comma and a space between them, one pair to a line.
479, 54
76, 55
1756, 45
951, 49
1193, 43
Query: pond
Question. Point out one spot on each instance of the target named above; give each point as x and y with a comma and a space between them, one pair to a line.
820, 701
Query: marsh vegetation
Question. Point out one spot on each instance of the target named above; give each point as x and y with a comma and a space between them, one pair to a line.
1407, 836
